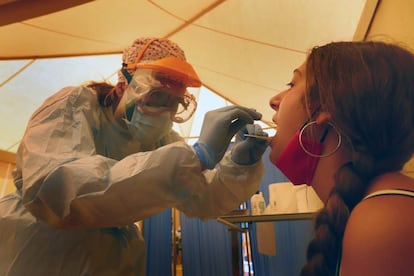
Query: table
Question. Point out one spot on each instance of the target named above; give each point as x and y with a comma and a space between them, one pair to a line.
231, 220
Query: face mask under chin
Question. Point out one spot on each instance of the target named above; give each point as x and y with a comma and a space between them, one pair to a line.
295, 163
299, 158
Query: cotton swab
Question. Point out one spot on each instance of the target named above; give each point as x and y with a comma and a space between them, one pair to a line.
259, 137
270, 127
262, 137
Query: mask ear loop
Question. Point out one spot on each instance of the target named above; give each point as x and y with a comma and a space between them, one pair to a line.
125, 73
322, 139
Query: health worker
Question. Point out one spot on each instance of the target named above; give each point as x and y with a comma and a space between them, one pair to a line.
97, 158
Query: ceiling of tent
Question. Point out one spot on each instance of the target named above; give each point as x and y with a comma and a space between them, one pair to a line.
243, 50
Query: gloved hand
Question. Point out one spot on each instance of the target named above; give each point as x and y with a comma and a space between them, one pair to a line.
219, 126
248, 150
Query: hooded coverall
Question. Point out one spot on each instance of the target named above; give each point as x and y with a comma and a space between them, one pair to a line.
82, 182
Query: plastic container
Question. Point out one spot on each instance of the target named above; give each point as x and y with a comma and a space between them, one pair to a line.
258, 204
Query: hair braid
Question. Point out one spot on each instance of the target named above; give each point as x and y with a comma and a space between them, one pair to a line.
324, 249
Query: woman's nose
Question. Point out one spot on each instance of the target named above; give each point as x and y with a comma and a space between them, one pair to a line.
274, 101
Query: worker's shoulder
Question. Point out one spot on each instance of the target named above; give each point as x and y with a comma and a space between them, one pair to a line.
68, 99
73, 95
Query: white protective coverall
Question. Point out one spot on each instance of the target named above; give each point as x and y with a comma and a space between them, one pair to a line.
82, 182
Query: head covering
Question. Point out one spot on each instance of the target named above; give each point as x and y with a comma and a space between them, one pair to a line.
157, 49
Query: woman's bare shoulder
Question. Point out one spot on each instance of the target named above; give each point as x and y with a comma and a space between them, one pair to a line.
379, 238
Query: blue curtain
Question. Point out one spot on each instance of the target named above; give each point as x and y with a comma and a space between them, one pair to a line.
207, 245
206, 248
158, 238
292, 237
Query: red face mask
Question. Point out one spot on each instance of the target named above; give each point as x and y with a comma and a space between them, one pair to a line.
297, 164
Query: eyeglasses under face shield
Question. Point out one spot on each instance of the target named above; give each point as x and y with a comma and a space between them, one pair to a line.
153, 92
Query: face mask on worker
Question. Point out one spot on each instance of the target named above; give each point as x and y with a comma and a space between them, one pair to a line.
300, 157
148, 129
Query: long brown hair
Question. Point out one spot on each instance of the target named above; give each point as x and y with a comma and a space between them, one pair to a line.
108, 94
368, 88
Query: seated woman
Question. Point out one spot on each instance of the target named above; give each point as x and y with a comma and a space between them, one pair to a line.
346, 128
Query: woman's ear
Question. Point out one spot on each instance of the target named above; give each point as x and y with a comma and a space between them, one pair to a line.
323, 117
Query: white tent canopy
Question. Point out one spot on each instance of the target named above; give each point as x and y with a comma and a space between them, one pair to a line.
243, 50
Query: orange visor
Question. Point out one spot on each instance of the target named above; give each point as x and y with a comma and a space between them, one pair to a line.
174, 68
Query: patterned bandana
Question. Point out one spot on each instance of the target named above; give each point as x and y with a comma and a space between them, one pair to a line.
158, 49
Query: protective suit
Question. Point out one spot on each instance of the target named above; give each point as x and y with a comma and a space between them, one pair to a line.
84, 178
87, 171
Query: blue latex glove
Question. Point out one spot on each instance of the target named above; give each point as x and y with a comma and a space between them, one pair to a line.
219, 126
249, 150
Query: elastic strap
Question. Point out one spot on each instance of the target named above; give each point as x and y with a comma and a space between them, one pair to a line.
391, 192
127, 75
142, 51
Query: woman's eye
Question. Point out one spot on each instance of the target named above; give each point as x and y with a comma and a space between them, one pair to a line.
290, 84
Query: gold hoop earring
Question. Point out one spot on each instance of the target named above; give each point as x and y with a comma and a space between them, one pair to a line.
319, 155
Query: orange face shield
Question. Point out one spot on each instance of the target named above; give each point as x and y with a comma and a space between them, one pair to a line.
151, 92
160, 86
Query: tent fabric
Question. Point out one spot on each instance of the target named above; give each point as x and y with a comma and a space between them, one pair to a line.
243, 50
